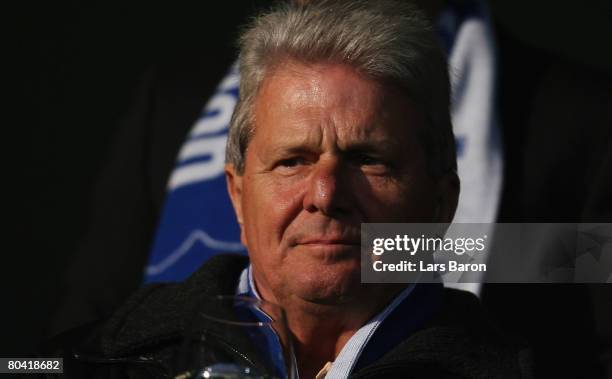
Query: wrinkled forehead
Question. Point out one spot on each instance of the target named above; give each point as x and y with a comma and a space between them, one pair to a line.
333, 84
314, 100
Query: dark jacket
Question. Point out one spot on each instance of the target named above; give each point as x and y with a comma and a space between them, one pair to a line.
142, 339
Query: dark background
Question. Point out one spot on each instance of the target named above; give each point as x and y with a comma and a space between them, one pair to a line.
77, 67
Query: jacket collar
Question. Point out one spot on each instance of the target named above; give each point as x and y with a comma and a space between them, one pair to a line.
160, 312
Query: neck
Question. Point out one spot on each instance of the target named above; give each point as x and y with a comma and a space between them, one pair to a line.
320, 331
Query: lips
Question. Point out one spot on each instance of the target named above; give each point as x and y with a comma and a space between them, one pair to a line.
326, 235
344, 239
332, 241
326, 251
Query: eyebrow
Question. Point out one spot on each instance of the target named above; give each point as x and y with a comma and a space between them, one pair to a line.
302, 147
370, 145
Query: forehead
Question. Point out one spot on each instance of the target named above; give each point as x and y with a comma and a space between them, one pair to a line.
298, 99
323, 84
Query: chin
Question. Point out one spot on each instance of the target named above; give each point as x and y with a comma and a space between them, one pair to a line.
327, 285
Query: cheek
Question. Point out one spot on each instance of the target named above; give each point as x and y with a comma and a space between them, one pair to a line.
397, 200
269, 207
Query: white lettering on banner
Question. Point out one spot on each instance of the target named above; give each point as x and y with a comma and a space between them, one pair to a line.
198, 171
224, 104
231, 81
202, 147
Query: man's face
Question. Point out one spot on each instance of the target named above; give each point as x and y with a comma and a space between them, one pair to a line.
331, 149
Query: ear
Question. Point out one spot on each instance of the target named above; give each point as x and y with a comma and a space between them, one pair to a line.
448, 197
234, 189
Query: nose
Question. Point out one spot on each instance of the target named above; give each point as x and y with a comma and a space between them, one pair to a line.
328, 189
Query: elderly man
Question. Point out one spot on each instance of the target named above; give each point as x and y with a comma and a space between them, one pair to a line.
343, 119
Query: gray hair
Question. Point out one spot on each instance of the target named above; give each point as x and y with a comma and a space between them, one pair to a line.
387, 40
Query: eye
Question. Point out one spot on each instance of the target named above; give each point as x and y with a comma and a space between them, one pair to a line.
291, 165
366, 160
362, 159
370, 163
291, 162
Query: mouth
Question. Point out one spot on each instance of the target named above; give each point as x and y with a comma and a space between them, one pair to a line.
332, 249
330, 242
